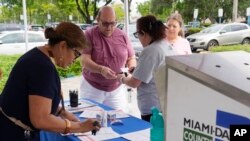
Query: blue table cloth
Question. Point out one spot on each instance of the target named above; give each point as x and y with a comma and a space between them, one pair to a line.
130, 124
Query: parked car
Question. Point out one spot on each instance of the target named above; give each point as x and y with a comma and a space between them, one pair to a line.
136, 44
220, 34
120, 26
36, 27
13, 42
10, 27
85, 26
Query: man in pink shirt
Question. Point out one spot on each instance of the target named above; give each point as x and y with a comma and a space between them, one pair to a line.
110, 50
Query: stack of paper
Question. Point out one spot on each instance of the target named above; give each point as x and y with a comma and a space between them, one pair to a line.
91, 113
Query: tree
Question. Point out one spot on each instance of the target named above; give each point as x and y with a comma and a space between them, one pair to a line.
88, 8
208, 9
160, 8
144, 8
119, 10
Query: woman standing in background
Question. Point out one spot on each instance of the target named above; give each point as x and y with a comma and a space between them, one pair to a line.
175, 35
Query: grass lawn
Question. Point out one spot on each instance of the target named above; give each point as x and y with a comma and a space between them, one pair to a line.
231, 48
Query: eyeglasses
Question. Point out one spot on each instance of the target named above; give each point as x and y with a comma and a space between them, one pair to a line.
136, 34
107, 24
76, 53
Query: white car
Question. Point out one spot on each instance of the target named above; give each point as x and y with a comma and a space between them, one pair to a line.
13, 42
136, 44
220, 34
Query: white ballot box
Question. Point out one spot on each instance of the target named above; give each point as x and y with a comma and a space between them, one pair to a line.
203, 94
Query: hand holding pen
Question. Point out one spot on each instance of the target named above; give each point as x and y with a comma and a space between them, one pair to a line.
95, 124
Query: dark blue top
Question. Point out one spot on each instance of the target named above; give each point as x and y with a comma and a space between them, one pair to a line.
33, 74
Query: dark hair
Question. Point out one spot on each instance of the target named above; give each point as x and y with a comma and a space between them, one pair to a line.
149, 24
68, 32
178, 18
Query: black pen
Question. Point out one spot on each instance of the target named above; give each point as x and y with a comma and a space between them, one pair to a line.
125, 73
95, 123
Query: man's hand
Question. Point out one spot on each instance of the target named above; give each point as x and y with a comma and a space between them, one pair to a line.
108, 73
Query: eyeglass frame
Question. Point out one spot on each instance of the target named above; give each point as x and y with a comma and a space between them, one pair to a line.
76, 53
136, 34
107, 24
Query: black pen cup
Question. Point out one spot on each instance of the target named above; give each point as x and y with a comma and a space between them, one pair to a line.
73, 98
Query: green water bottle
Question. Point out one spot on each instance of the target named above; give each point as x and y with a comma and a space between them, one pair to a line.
157, 129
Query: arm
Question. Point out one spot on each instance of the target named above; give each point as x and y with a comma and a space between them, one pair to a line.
89, 64
42, 118
130, 81
131, 63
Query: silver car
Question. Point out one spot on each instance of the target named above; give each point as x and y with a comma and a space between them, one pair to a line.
220, 34
13, 42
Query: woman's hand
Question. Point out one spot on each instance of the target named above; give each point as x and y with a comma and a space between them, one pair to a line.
120, 76
89, 125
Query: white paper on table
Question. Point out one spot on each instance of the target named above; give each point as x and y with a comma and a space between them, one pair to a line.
104, 133
90, 113
119, 113
142, 135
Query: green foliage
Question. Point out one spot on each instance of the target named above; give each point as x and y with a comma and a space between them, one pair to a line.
6, 64
144, 8
194, 30
73, 70
119, 10
208, 9
8, 61
206, 24
59, 10
231, 48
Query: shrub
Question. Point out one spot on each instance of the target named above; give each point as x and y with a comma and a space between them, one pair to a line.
194, 30
73, 70
6, 64
8, 61
206, 24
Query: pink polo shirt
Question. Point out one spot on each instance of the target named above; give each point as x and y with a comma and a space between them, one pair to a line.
112, 52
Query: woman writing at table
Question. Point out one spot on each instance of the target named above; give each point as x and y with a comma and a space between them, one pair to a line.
33, 91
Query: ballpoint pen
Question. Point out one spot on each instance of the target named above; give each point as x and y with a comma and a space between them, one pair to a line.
95, 123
